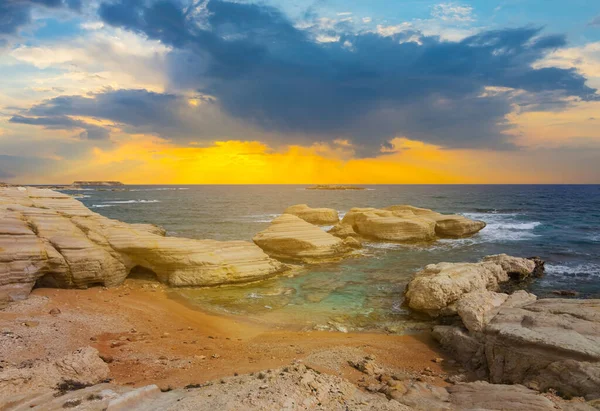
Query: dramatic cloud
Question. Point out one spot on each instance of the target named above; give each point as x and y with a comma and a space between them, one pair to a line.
15, 14
365, 87
90, 131
249, 68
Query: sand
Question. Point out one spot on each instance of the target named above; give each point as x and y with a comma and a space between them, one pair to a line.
149, 338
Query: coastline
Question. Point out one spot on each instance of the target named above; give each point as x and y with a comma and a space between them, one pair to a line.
148, 338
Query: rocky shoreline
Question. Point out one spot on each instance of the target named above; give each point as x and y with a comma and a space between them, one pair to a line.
119, 341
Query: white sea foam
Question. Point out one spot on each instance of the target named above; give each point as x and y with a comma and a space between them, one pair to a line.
383, 246
159, 189
502, 227
131, 201
587, 269
101, 205
262, 218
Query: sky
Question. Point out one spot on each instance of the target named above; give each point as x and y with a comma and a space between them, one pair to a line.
300, 91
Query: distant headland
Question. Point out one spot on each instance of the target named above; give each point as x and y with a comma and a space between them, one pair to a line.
334, 187
97, 183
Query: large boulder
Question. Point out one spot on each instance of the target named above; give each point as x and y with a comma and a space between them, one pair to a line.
437, 288
405, 224
52, 239
291, 238
543, 344
318, 216
550, 343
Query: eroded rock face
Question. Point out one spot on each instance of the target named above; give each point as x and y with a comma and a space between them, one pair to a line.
551, 343
544, 344
50, 237
404, 223
291, 238
83, 367
438, 287
317, 216
476, 309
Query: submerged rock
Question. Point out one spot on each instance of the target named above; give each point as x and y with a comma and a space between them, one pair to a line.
291, 238
318, 216
50, 238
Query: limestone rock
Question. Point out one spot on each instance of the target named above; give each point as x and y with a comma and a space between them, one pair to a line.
467, 349
519, 299
52, 239
478, 308
352, 242
515, 267
446, 225
404, 223
551, 343
437, 288
82, 367
386, 225
343, 231
481, 395
291, 238
318, 216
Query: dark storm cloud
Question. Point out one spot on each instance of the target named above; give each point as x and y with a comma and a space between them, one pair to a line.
137, 111
61, 122
366, 87
15, 14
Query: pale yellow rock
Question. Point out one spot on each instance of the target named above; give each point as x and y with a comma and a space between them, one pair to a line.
518, 267
438, 287
404, 223
476, 309
384, 225
318, 216
53, 239
342, 231
291, 238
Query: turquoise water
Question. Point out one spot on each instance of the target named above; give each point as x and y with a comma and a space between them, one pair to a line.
561, 224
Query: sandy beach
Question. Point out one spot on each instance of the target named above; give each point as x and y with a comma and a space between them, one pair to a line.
147, 337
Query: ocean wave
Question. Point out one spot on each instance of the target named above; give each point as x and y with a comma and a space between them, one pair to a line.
503, 227
586, 270
101, 205
131, 201
159, 189
383, 246
261, 218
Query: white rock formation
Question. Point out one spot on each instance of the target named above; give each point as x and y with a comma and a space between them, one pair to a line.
437, 288
404, 223
317, 216
50, 237
291, 238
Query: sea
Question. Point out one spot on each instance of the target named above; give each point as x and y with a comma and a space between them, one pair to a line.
559, 223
